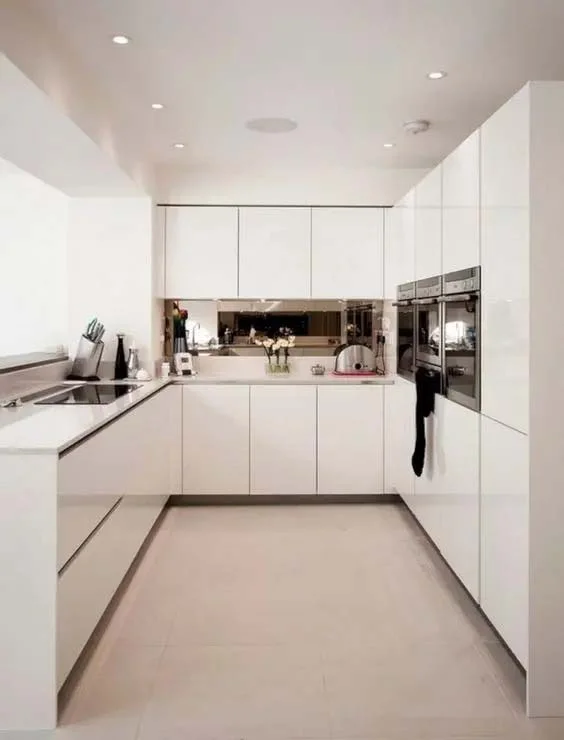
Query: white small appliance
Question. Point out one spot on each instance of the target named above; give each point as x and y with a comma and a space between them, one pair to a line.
184, 363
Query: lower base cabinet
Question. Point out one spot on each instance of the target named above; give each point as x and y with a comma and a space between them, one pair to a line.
215, 439
350, 439
399, 440
283, 439
86, 588
505, 533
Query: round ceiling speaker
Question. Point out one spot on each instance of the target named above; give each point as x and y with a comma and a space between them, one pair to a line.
416, 127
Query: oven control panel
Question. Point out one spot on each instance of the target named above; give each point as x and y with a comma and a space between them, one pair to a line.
463, 281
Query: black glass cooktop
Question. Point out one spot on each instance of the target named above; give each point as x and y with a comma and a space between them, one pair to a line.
97, 394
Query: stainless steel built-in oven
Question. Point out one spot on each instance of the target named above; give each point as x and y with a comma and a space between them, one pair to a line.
405, 335
461, 336
428, 312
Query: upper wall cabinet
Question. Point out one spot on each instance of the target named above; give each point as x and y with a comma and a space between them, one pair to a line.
505, 245
428, 236
404, 254
392, 232
461, 206
201, 252
274, 252
347, 252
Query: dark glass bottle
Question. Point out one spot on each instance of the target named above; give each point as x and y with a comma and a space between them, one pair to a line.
120, 369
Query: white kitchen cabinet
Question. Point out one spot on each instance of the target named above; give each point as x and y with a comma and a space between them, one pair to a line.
505, 229
428, 230
347, 252
350, 439
399, 440
504, 533
201, 252
283, 439
461, 206
215, 439
274, 252
392, 237
457, 514
405, 252
430, 485
86, 587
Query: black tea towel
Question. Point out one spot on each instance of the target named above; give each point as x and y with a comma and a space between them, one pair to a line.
426, 385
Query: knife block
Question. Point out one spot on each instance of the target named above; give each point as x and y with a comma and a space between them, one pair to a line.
87, 360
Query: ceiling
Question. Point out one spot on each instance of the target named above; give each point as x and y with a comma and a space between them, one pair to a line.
350, 72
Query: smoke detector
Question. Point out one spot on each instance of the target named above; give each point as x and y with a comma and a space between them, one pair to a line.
416, 127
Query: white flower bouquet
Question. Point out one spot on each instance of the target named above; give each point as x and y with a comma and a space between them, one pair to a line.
283, 341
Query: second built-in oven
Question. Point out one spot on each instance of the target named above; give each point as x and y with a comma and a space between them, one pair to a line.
428, 313
461, 336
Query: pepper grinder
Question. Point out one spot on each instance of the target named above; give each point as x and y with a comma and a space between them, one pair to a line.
120, 368
133, 361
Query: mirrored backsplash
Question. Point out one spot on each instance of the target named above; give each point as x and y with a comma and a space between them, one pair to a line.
232, 327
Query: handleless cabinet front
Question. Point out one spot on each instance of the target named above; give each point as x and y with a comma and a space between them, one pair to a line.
283, 439
215, 439
428, 236
274, 252
201, 252
350, 439
347, 250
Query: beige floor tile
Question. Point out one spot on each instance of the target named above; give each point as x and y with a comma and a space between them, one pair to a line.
253, 692
421, 681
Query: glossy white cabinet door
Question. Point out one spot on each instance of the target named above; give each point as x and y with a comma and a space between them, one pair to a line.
405, 262
430, 485
201, 252
504, 533
392, 238
505, 224
461, 206
215, 439
86, 587
283, 439
350, 439
347, 252
399, 440
274, 252
428, 230
457, 521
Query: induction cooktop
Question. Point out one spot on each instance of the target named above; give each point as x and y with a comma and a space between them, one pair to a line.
97, 394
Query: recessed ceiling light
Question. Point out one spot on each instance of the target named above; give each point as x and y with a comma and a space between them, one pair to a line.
272, 125
157, 106
178, 146
389, 146
119, 39
436, 75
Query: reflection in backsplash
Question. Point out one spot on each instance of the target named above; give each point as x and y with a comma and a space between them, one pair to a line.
231, 327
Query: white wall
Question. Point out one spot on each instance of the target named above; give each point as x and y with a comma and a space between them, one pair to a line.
111, 254
290, 186
33, 263
43, 55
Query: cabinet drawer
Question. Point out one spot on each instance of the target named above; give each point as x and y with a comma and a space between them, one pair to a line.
86, 587
77, 518
129, 456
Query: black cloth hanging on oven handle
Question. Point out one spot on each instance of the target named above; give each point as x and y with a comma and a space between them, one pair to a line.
427, 383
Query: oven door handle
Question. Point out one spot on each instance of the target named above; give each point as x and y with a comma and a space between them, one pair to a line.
425, 301
457, 297
402, 303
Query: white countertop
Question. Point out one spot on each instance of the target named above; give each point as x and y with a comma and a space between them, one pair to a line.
327, 379
33, 429
37, 429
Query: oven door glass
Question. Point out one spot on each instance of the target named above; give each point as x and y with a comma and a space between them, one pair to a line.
405, 341
462, 357
429, 333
